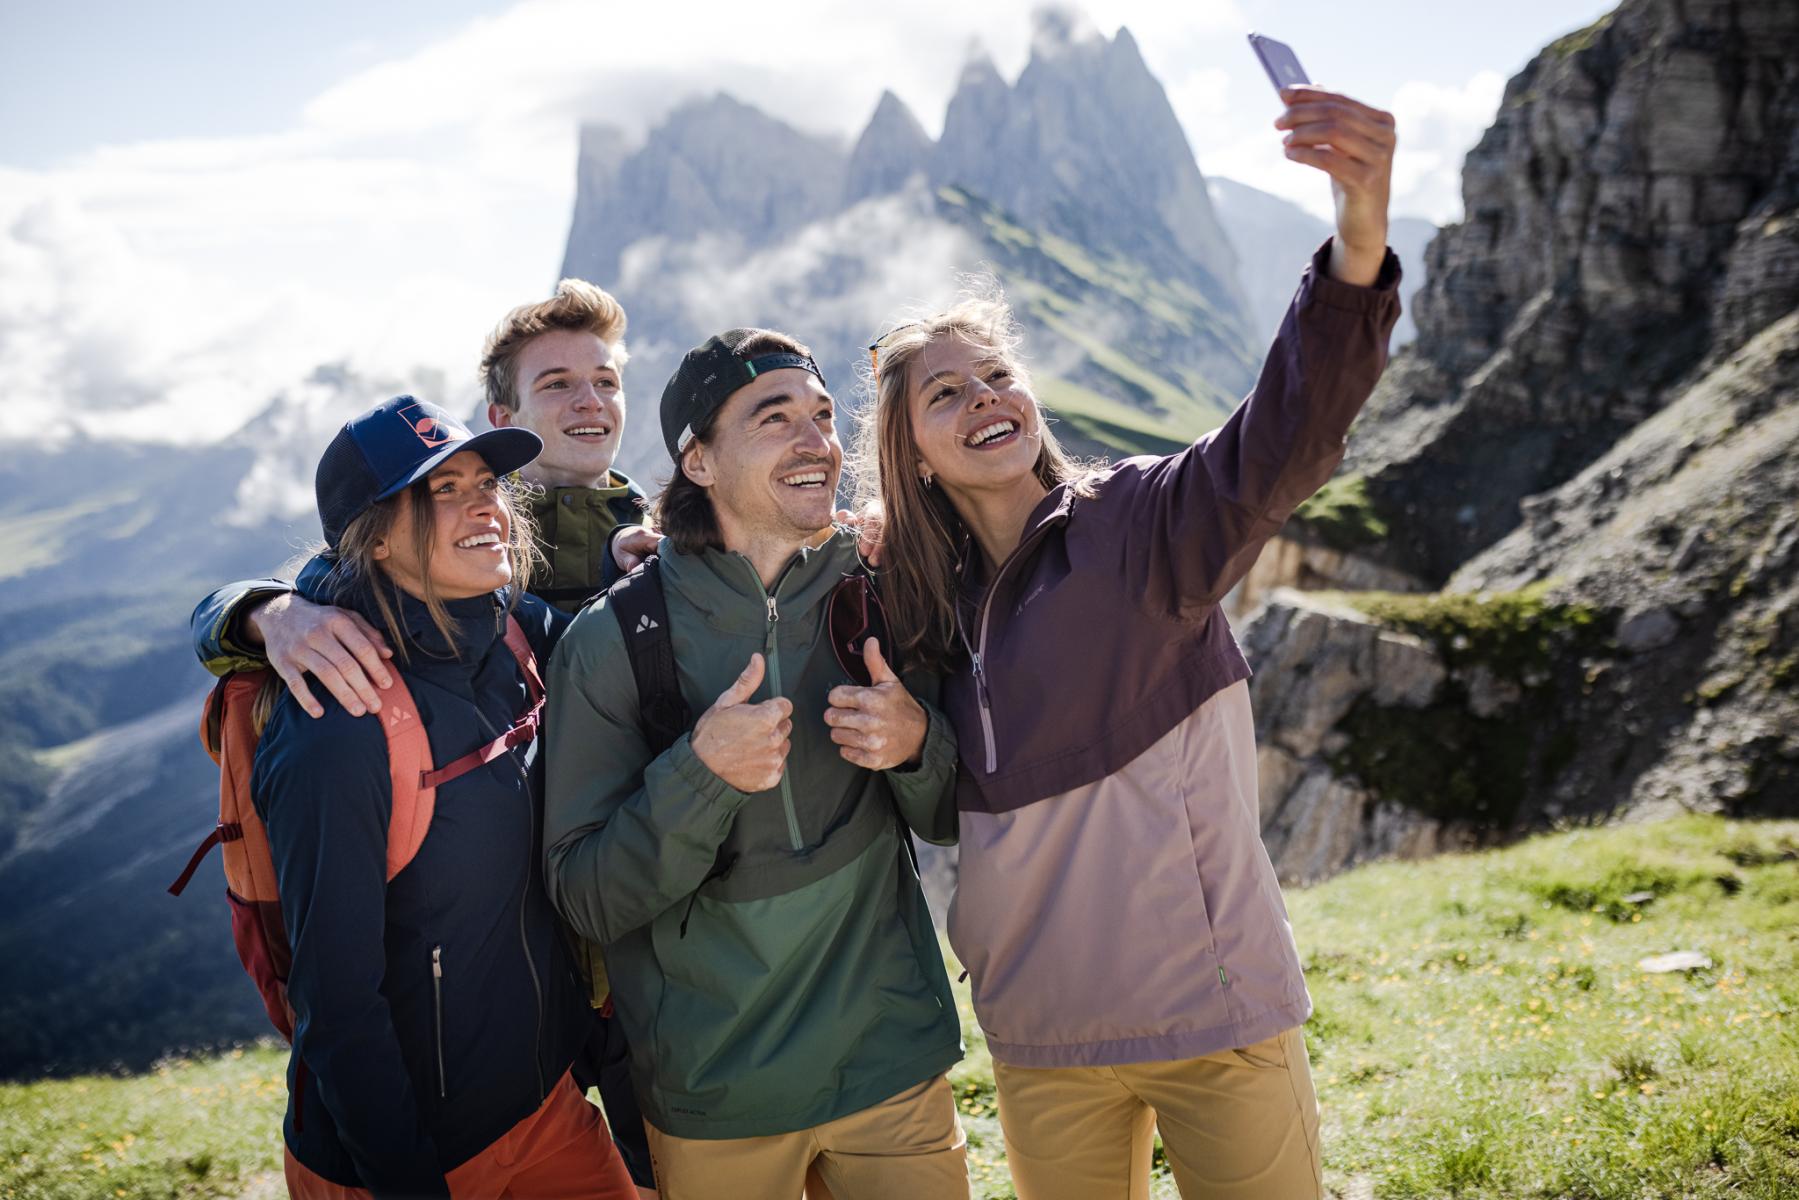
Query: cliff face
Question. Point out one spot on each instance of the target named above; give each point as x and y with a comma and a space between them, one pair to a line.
1086, 146
714, 167
1628, 225
1593, 450
892, 151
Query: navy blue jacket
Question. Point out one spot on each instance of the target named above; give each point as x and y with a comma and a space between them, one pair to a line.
436, 1011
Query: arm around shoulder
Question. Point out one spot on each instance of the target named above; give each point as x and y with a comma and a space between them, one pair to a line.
220, 638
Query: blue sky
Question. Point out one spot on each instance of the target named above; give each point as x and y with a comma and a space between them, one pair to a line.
199, 202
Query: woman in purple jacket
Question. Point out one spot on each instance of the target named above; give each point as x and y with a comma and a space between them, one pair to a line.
1131, 958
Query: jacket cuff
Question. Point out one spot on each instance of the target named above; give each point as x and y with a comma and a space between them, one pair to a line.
937, 758
218, 628
1323, 289
698, 776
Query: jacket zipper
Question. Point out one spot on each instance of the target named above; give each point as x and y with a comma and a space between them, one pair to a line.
771, 651
437, 1001
976, 653
986, 702
524, 938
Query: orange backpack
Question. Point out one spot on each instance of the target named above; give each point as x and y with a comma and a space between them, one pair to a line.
228, 731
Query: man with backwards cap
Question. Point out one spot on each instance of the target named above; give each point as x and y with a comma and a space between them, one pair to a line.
769, 947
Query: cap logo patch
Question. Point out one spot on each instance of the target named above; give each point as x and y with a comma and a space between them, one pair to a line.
433, 431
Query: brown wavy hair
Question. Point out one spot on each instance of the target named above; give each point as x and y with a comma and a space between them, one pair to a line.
923, 537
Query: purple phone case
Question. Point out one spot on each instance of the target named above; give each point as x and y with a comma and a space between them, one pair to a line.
1279, 61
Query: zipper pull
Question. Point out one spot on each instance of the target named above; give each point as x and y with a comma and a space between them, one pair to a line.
437, 962
980, 683
773, 616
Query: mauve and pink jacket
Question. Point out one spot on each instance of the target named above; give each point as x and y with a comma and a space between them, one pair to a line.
1114, 902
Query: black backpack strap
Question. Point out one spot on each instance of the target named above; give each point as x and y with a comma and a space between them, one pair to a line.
558, 596
641, 607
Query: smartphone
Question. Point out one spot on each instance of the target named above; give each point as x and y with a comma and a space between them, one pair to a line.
1279, 61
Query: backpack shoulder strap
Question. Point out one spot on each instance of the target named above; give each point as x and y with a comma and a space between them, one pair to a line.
228, 731
520, 645
641, 606
409, 769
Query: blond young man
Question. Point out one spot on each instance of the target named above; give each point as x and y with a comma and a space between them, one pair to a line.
552, 367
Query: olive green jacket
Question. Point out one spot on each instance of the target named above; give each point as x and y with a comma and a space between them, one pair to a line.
771, 954
574, 527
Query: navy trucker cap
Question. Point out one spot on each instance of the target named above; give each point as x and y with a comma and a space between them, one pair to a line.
394, 445
707, 376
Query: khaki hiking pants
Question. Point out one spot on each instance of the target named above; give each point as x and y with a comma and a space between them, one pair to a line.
1236, 1125
907, 1147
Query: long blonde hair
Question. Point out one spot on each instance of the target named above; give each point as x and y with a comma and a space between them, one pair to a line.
923, 537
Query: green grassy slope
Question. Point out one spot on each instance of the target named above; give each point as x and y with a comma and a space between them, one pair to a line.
1482, 1030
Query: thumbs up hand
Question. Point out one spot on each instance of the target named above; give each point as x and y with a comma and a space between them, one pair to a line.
880, 726
745, 744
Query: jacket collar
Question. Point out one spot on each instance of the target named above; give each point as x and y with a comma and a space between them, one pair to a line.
1054, 509
478, 621
725, 590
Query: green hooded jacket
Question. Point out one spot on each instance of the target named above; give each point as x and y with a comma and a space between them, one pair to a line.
574, 528
805, 982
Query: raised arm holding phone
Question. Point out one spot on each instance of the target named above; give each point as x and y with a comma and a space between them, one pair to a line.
1129, 954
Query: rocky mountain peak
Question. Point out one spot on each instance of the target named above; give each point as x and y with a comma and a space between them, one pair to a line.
1086, 146
892, 149
716, 165
1056, 28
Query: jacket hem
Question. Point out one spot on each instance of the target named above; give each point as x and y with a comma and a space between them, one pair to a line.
1163, 1047
839, 1104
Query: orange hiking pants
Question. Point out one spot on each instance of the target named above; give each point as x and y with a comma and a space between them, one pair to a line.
560, 1152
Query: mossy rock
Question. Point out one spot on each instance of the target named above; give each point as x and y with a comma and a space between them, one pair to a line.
1443, 760
1521, 635
1344, 515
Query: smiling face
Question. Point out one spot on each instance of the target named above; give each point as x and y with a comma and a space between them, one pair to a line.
466, 549
975, 422
570, 395
771, 460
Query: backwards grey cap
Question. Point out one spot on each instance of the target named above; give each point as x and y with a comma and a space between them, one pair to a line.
708, 375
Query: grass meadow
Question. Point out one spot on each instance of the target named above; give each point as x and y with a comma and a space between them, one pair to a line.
1483, 1029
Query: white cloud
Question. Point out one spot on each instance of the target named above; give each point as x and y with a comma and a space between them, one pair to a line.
165, 289
1438, 125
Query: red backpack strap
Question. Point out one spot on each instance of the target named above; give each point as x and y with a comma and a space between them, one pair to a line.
409, 767
523, 730
520, 645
